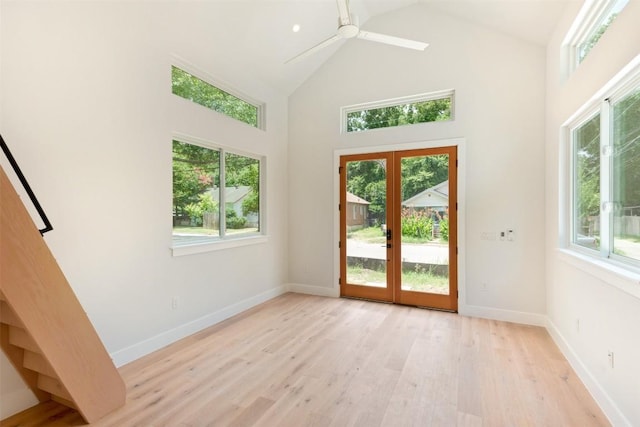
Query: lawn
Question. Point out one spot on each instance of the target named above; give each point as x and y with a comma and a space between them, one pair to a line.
424, 281
369, 235
200, 231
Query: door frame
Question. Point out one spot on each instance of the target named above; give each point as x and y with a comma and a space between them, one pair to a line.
460, 143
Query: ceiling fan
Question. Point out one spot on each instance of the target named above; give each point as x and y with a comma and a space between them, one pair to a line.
348, 29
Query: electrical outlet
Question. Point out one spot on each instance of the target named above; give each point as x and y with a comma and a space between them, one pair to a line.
484, 286
174, 303
610, 355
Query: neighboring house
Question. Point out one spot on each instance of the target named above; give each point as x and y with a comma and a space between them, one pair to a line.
233, 198
357, 212
436, 198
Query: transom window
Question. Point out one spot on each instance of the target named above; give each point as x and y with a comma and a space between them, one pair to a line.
216, 194
433, 107
605, 176
206, 94
592, 22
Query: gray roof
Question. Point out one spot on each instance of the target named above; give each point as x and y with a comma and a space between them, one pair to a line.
231, 194
352, 198
438, 195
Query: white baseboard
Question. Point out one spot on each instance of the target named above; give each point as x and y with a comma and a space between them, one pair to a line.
521, 317
313, 290
136, 351
608, 406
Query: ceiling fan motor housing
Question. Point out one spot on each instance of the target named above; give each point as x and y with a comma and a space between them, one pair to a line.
348, 31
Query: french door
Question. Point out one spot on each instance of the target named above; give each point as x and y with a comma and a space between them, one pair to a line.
398, 227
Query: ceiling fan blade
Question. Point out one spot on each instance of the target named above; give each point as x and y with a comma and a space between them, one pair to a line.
343, 12
395, 41
315, 48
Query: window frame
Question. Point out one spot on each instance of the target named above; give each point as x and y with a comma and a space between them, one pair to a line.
225, 241
393, 102
622, 272
583, 119
590, 17
224, 87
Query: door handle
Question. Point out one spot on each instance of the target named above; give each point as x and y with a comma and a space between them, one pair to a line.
388, 246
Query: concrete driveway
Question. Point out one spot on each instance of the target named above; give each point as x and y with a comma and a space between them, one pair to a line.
430, 253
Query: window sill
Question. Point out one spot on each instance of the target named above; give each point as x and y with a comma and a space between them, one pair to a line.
617, 276
218, 245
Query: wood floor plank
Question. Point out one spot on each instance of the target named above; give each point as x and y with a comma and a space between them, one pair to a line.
301, 360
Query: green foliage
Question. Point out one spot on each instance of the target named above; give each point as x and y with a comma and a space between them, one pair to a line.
251, 203
367, 179
626, 159
195, 170
398, 115
233, 221
585, 48
444, 229
369, 235
194, 89
625, 178
416, 224
196, 211
242, 170
587, 171
422, 172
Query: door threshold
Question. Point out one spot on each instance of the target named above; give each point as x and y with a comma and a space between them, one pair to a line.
366, 299
435, 309
423, 307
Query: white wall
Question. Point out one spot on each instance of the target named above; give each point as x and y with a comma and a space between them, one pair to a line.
608, 316
499, 109
88, 112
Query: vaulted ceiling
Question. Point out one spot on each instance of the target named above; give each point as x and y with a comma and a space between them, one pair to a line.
259, 32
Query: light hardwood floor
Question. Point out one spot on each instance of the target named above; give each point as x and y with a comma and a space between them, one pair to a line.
301, 360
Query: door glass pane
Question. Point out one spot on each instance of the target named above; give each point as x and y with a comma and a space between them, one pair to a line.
626, 177
366, 213
586, 184
425, 224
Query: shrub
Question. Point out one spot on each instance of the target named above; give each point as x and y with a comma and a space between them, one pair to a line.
234, 221
197, 210
416, 224
444, 229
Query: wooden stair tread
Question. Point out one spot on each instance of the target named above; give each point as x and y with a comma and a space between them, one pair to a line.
36, 362
8, 316
16, 357
65, 402
54, 386
21, 338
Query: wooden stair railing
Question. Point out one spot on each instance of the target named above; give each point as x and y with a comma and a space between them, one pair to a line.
44, 330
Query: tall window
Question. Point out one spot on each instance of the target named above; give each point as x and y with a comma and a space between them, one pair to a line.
625, 175
201, 92
434, 107
216, 194
606, 177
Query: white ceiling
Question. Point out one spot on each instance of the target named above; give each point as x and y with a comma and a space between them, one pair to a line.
263, 38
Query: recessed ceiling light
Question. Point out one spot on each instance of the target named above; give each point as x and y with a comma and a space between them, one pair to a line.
296, 28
